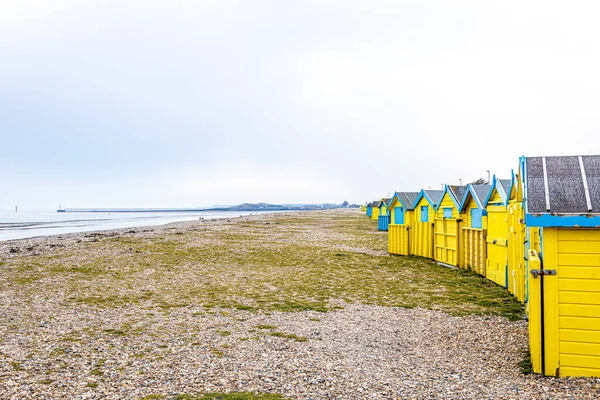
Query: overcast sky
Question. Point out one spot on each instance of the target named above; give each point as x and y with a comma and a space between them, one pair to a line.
153, 103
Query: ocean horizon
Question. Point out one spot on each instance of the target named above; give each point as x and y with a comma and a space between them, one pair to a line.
34, 223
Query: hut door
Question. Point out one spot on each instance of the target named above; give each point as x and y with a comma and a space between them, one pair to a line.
571, 307
446, 241
516, 247
497, 245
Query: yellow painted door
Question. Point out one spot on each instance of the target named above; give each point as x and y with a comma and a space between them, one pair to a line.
375, 214
571, 306
398, 239
516, 250
578, 287
446, 241
473, 249
421, 239
497, 245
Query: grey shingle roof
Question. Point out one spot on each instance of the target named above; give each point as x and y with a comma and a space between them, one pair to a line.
434, 195
408, 199
385, 201
481, 191
563, 185
457, 191
505, 183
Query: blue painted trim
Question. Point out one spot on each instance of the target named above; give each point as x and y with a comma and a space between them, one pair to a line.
522, 177
394, 197
568, 221
498, 186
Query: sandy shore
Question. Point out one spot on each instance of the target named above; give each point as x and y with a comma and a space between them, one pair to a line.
199, 306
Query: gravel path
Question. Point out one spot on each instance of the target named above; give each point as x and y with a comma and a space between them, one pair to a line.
52, 349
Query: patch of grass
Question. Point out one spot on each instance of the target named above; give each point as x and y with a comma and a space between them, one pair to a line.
289, 263
243, 307
17, 366
525, 365
231, 396
46, 381
289, 336
118, 332
217, 352
222, 332
265, 326
96, 372
92, 385
314, 319
153, 397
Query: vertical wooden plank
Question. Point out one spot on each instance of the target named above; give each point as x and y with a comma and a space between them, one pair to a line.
551, 302
535, 317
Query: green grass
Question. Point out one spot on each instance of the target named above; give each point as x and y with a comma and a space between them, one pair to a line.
231, 396
287, 262
525, 365
288, 336
265, 326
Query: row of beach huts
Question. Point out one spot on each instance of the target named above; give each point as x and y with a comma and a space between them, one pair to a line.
536, 233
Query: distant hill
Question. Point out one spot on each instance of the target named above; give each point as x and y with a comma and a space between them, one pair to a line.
242, 207
275, 207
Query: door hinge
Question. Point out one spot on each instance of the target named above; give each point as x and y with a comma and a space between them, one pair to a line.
538, 272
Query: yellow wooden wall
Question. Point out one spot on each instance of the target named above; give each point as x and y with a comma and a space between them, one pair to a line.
399, 239
375, 214
497, 242
447, 241
422, 232
571, 299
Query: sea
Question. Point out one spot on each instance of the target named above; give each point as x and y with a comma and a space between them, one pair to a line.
27, 224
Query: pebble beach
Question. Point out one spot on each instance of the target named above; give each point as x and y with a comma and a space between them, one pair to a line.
163, 338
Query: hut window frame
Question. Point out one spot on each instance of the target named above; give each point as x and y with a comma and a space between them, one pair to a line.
424, 213
398, 215
447, 212
476, 218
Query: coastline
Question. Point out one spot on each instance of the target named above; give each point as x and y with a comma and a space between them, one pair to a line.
85, 226
302, 304
151, 230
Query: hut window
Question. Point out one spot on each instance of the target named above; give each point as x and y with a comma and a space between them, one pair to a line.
398, 215
424, 214
447, 212
476, 218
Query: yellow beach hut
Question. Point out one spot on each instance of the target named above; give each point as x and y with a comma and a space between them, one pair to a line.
497, 244
562, 199
384, 217
401, 209
474, 228
375, 210
447, 226
422, 237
